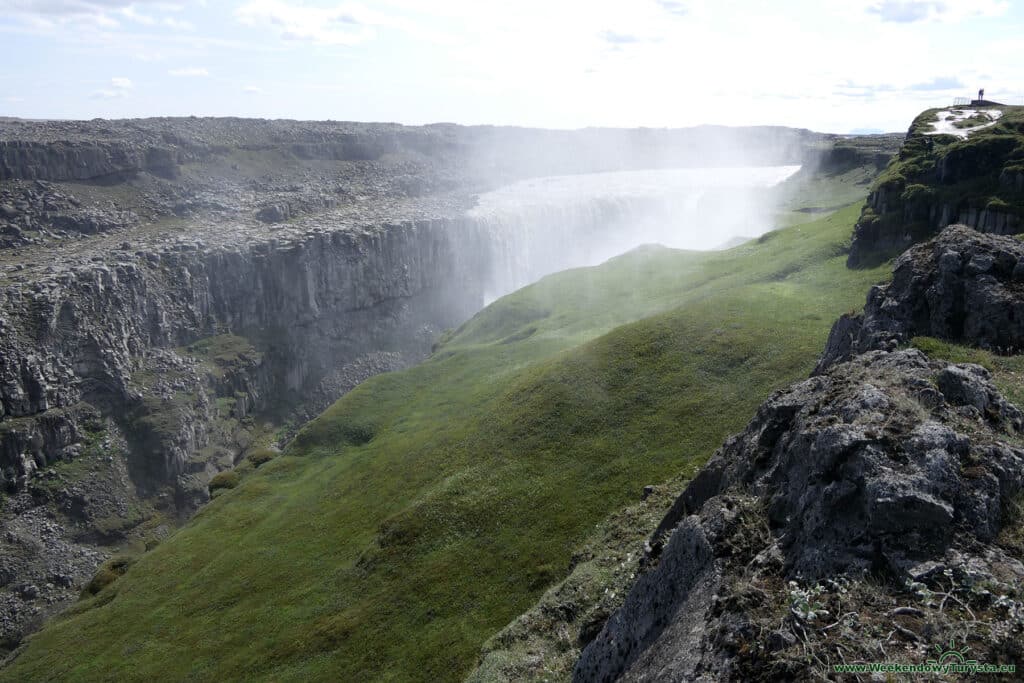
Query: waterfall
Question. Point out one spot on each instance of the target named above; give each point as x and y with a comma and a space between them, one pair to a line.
544, 225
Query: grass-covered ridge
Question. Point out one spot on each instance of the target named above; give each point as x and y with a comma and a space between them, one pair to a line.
427, 508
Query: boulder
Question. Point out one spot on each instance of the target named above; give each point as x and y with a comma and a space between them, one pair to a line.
962, 286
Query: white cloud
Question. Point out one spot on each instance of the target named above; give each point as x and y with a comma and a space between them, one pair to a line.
342, 24
177, 24
252, 90
189, 72
911, 11
119, 87
132, 14
98, 14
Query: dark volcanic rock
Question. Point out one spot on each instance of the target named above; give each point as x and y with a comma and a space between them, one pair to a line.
317, 303
274, 213
82, 160
962, 286
857, 470
38, 205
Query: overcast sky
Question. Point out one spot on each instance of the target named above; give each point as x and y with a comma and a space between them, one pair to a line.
828, 65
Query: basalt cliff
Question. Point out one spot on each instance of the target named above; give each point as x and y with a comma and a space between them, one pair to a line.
974, 177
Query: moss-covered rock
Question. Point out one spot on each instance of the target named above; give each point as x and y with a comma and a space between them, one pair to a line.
224, 480
261, 456
109, 572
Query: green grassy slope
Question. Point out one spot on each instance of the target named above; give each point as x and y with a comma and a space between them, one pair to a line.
424, 510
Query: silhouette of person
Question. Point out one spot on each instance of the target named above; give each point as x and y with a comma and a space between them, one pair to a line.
981, 94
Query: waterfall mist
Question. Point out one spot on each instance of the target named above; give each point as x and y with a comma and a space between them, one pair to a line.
543, 225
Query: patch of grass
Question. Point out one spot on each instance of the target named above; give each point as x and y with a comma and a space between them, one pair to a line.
1011, 536
160, 419
979, 119
261, 456
115, 526
222, 352
228, 479
953, 353
424, 510
1007, 371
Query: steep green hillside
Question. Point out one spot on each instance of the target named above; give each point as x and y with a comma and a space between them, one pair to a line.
427, 508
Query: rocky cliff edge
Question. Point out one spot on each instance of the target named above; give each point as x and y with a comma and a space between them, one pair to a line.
866, 514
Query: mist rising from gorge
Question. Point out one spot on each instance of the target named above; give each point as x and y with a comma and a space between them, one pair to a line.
543, 225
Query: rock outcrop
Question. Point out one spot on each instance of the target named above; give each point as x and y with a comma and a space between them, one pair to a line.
963, 286
894, 219
869, 468
311, 305
864, 514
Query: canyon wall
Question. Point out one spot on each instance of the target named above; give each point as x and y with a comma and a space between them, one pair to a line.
308, 306
154, 337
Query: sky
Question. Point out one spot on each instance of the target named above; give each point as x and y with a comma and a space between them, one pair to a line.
829, 65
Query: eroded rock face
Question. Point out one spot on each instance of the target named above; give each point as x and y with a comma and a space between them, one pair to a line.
962, 286
312, 304
912, 221
890, 464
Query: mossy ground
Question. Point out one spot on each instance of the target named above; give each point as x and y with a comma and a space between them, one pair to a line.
423, 511
543, 643
221, 353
